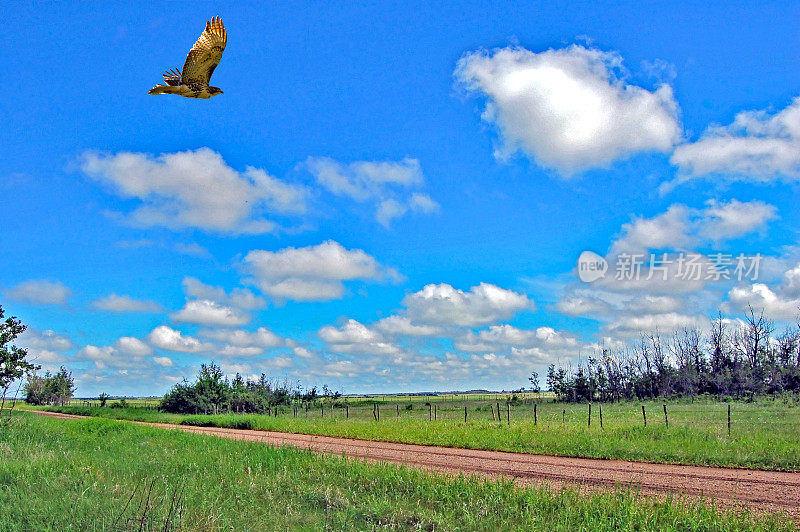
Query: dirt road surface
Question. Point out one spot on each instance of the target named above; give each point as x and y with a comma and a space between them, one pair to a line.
761, 491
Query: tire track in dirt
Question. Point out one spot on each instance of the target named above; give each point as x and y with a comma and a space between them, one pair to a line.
758, 490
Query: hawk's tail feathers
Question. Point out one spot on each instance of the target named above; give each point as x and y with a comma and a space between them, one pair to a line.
159, 89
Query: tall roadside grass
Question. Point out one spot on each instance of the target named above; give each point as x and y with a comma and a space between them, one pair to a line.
764, 435
97, 474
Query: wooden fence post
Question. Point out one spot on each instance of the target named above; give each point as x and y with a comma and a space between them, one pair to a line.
465, 414
322, 409
644, 416
666, 419
535, 415
347, 411
378, 410
590, 414
499, 416
564, 416
398, 410
600, 406
430, 412
435, 412
729, 419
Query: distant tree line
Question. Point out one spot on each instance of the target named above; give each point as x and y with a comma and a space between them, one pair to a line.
736, 359
52, 389
212, 392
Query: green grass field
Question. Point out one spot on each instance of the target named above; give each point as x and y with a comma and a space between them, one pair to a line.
98, 474
763, 433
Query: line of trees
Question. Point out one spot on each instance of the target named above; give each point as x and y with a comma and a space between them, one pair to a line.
736, 359
213, 393
52, 389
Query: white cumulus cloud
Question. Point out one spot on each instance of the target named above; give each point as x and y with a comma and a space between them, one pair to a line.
196, 189
481, 305
123, 303
169, 339
40, 292
760, 297
756, 147
388, 184
207, 312
313, 273
569, 109
238, 297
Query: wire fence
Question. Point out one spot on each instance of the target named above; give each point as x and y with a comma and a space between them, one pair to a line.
781, 415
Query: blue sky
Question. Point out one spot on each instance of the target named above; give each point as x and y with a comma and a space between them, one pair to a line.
389, 197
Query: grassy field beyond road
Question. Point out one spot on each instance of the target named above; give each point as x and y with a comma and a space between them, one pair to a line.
763, 434
103, 475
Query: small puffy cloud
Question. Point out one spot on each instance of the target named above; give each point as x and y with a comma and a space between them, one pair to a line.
577, 305
32, 339
239, 297
44, 347
364, 180
670, 229
126, 352
791, 282
759, 296
354, 337
239, 342
164, 362
481, 305
388, 210
280, 362
633, 325
386, 183
351, 332
653, 304
569, 109
403, 326
497, 337
40, 292
195, 189
313, 273
391, 209
725, 221
681, 227
423, 203
303, 352
128, 345
207, 312
117, 303
756, 147
101, 356
168, 339
192, 249
236, 351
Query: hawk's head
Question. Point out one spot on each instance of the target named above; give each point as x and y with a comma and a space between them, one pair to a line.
214, 91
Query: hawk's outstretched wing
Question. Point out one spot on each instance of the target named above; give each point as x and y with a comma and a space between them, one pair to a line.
204, 56
172, 77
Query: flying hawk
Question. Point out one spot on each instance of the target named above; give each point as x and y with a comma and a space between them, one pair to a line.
203, 58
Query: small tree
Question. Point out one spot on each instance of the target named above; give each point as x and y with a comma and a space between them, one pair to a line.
103, 397
534, 378
13, 363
